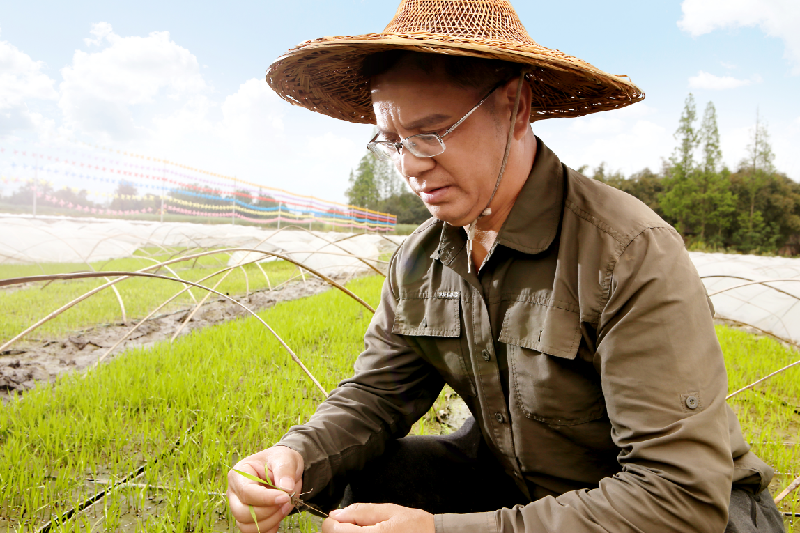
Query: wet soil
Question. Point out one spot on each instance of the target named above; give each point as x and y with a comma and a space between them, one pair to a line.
30, 362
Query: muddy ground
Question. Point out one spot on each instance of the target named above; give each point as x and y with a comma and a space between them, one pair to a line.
29, 362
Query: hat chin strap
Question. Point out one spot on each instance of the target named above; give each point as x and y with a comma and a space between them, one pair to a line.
488, 210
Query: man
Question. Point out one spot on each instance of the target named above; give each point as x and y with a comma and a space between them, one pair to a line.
565, 313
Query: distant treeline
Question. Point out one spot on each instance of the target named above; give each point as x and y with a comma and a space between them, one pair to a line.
376, 185
752, 209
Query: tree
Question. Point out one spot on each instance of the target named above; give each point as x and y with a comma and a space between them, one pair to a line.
688, 138
73, 196
363, 190
125, 198
681, 188
714, 204
24, 195
759, 168
769, 205
387, 179
708, 139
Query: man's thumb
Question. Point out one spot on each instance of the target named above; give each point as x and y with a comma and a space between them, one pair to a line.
286, 483
284, 470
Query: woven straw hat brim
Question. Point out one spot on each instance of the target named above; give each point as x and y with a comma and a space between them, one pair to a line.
324, 75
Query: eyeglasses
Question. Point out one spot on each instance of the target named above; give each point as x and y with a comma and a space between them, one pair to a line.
422, 144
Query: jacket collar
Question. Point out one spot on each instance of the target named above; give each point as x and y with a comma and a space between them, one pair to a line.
533, 221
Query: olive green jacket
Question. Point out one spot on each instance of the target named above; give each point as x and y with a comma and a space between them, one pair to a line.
586, 351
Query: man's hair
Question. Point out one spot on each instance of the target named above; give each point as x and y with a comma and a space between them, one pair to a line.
475, 73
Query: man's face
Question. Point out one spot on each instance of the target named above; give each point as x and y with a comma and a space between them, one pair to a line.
456, 185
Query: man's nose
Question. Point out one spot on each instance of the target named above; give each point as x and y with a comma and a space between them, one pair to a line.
410, 165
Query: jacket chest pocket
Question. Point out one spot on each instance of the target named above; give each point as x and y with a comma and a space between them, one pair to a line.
433, 323
549, 382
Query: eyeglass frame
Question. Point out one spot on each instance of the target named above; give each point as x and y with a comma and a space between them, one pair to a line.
371, 145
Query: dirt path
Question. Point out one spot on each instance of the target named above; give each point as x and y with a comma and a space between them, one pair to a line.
29, 362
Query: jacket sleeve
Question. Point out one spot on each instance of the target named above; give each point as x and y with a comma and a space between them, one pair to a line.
664, 384
391, 389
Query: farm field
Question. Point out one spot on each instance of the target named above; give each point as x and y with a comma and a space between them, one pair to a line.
138, 296
219, 393
157, 429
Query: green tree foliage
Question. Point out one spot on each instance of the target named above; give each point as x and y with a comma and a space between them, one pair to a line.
375, 184
714, 203
682, 187
755, 209
697, 195
263, 199
198, 194
769, 202
363, 185
24, 195
125, 198
74, 197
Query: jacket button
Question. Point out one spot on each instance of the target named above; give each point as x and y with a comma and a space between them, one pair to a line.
499, 417
692, 402
486, 355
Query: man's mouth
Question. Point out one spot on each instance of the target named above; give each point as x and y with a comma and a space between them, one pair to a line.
433, 195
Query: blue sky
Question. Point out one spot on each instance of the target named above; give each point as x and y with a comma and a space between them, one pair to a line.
185, 80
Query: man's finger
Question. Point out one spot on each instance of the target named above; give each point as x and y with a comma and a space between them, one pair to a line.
269, 525
241, 511
332, 526
257, 495
365, 514
251, 492
285, 470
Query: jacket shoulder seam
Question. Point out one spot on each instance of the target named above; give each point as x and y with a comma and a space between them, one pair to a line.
612, 265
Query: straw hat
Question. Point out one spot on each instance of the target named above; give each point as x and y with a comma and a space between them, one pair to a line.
324, 75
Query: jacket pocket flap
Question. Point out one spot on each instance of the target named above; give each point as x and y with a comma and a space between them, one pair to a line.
426, 315
544, 328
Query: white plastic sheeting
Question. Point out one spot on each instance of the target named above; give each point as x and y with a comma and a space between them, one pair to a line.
772, 306
69, 240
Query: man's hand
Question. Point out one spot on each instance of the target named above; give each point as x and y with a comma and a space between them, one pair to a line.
285, 467
378, 518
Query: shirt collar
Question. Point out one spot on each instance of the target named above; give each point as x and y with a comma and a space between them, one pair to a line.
533, 221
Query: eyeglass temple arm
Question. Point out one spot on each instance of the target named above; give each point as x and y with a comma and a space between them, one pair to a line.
465, 117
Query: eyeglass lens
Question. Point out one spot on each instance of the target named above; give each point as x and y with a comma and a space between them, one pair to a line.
421, 145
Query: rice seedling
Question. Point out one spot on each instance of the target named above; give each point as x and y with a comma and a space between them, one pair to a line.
143, 443
22, 307
770, 411
232, 385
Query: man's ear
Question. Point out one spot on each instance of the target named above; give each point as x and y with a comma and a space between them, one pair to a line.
523, 121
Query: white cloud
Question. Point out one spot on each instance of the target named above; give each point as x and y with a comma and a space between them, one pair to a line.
704, 80
254, 113
101, 31
776, 18
147, 95
622, 139
727, 65
21, 78
609, 123
100, 88
21, 82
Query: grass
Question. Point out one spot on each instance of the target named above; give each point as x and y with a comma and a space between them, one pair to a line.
770, 412
23, 307
229, 390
